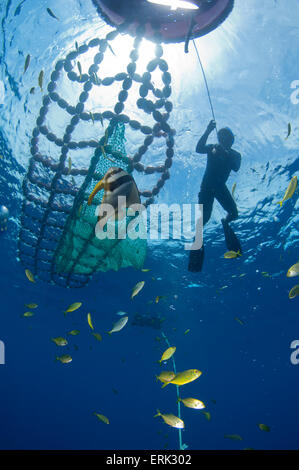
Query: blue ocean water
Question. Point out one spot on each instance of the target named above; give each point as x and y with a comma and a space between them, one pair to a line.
247, 375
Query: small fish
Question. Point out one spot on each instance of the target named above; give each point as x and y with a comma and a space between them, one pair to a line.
264, 427
27, 62
74, 332
69, 165
184, 377
120, 313
171, 420
232, 254
28, 314
207, 415
52, 14
102, 418
73, 307
239, 321
289, 131
290, 190
192, 403
145, 270
110, 48
31, 305
165, 376
118, 325
65, 359
242, 275
234, 437
41, 79
32, 90
29, 275
265, 274
293, 271
92, 117
80, 69
157, 338
159, 297
233, 189
223, 287
60, 341
137, 288
294, 292
168, 354
89, 321
76, 46
80, 209
115, 391
187, 331
97, 336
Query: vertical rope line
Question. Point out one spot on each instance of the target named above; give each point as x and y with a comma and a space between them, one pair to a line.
206, 83
177, 392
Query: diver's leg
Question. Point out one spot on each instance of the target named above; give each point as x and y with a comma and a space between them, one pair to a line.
226, 200
196, 257
206, 198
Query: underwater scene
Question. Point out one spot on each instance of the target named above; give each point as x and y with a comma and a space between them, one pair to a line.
149, 156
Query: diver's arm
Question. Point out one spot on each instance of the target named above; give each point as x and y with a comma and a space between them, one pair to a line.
202, 146
236, 161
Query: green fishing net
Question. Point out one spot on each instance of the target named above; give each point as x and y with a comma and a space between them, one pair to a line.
80, 250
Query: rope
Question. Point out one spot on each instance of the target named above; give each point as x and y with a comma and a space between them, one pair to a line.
182, 446
206, 83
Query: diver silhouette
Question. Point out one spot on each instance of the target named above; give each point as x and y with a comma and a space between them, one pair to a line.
221, 159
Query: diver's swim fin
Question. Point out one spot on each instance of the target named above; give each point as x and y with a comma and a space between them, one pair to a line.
196, 260
231, 239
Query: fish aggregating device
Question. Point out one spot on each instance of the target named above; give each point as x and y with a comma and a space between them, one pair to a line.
57, 239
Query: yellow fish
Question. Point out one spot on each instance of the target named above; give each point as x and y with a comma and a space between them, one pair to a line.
28, 314
207, 415
294, 292
239, 321
118, 325
165, 376
89, 321
73, 307
171, 420
233, 189
137, 288
192, 403
232, 254
65, 359
184, 377
29, 275
27, 62
74, 332
167, 354
234, 437
290, 190
289, 131
187, 331
102, 418
40, 79
264, 427
145, 270
97, 336
293, 271
31, 305
60, 341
